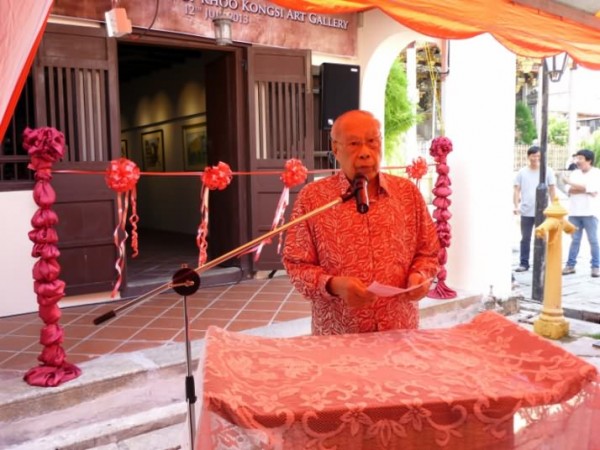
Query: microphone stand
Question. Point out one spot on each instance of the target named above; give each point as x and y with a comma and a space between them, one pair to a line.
186, 281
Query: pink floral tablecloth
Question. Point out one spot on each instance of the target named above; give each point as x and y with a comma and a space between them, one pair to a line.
485, 384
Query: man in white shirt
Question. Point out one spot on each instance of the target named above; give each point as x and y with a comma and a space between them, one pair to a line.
583, 186
525, 186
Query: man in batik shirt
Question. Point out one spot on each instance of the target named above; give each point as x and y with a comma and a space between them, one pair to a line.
334, 256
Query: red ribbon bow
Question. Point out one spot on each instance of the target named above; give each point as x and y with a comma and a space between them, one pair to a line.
217, 177
122, 176
295, 173
417, 169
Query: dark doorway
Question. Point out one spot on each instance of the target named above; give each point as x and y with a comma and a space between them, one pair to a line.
163, 104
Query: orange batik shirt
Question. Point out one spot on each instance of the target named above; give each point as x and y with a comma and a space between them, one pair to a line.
393, 239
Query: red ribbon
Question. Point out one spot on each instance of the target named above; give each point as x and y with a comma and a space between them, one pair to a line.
417, 169
213, 178
217, 177
122, 176
294, 173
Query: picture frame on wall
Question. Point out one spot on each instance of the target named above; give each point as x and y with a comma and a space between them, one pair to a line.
153, 151
124, 149
195, 146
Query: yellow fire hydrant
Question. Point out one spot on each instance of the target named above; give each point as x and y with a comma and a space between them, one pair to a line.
552, 323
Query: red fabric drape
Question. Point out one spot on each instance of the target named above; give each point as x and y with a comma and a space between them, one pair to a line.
21, 28
524, 31
45, 146
440, 147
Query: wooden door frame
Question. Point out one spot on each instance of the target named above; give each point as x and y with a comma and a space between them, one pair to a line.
168, 39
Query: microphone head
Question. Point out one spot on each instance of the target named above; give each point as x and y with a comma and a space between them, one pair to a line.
362, 208
360, 181
359, 184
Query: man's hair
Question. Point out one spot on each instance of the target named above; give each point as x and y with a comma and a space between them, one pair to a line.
587, 154
335, 129
533, 150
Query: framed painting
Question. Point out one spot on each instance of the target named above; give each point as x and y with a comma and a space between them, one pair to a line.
195, 154
153, 151
124, 149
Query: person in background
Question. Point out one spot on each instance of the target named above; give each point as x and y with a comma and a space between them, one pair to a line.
583, 185
524, 193
333, 257
572, 164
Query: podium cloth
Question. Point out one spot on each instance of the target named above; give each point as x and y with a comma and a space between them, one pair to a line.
486, 384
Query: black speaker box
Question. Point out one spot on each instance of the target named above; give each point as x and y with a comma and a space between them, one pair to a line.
340, 86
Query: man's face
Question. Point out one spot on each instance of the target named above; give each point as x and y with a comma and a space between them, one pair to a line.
582, 163
534, 160
357, 146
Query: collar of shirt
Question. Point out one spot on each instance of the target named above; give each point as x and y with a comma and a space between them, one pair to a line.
345, 183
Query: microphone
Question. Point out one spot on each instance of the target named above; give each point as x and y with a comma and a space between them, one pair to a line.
360, 192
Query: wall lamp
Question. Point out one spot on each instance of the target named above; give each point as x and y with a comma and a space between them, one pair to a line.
117, 22
222, 25
555, 66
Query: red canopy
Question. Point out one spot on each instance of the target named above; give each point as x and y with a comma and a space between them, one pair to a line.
23, 23
523, 30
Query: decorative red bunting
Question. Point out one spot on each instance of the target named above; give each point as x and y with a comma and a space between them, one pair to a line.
294, 173
122, 176
213, 178
46, 146
418, 169
440, 148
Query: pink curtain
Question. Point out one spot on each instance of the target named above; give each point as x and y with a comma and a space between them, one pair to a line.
45, 146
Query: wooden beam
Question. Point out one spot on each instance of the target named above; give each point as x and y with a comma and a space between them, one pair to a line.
566, 12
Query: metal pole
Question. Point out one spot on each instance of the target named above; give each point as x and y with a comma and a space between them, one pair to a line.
215, 262
541, 198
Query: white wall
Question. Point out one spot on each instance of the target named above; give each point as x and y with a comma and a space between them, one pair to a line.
478, 112
16, 262
479, 108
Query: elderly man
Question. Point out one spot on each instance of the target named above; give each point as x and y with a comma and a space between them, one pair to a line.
333, 257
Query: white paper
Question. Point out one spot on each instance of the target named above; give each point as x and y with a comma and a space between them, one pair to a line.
385, 290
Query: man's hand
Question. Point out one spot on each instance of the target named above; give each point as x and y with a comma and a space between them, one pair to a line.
352, 290
416, 279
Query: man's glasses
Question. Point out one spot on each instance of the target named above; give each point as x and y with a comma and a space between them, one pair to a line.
355, 144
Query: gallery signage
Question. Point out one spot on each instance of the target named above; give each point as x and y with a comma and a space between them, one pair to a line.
254, 21
242, 11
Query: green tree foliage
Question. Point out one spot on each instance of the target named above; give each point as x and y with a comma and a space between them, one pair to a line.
525, 131
558, 131
593, 144
398, 111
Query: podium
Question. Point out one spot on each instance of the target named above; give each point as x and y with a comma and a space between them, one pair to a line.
486, 384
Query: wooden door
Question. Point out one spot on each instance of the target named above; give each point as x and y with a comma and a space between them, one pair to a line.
281, 127
76, 91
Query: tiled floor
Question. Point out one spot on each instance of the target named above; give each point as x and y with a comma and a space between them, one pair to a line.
248, 304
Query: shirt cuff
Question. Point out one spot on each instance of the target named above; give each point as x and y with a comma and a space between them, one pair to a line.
323, 280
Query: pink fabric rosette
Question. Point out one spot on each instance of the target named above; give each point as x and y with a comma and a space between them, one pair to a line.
45, 146
439, 150
214, 178
122, 176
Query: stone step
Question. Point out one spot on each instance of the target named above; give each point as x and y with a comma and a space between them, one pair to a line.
140, 391
161, 428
